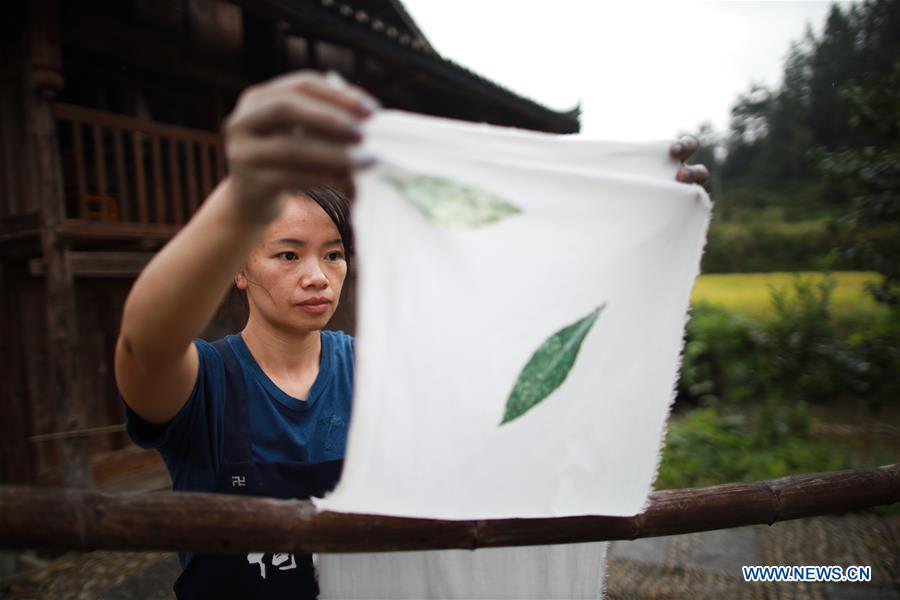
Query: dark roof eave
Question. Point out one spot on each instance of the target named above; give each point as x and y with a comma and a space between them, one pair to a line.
300, 13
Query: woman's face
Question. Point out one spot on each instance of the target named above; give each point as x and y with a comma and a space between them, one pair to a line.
295, 273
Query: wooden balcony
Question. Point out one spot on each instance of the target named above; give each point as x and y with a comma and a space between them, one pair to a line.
128, 177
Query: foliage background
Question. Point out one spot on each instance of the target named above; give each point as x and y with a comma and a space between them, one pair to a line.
787, 373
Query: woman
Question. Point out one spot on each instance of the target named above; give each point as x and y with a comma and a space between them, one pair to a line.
264, 411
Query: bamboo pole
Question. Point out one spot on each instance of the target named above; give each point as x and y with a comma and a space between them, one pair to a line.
32, 517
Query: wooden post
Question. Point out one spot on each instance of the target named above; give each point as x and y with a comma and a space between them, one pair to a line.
80, 174
16, 465
121, 181
63, 373
191, 174
158, 185
32, 517
100, 164
141, 183
177, 212
205, 174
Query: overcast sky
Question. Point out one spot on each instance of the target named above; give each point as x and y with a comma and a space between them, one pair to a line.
642, 70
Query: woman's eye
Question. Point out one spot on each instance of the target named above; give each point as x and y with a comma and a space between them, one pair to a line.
287, 255
334, 255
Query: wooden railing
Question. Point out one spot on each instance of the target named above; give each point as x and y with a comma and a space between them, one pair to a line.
33, 517
123, 169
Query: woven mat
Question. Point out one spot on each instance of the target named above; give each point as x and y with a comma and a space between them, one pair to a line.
85, 577
844, 541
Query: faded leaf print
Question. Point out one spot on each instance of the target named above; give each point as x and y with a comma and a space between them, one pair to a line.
548, 367
453, 204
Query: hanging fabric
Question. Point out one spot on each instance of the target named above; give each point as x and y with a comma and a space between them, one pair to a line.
521, 307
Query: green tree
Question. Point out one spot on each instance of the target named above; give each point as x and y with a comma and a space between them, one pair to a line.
774, 134
749, 126
833, 64
872, 171
785, 149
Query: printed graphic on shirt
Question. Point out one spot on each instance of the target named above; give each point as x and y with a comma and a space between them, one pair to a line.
548, 367
283, 561
452, 203
333, 430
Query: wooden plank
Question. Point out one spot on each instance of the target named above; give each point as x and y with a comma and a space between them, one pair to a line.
191, 174
177, 212
21, 222
16, 464
132, 44
140, 181
79, 169
40, 404
87, 330
121, 181
84, 229
220, 162
33, 517
10, 199
159, 190
100, 159
70, 112
99, 264
130, 468
205, 169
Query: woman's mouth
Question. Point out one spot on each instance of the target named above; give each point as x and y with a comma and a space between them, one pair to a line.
315, 305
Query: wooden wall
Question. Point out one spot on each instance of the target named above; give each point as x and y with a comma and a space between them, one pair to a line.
27, 407
15, 416
14, 136
130, 58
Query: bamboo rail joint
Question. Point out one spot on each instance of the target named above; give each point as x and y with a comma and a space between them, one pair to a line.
33, 517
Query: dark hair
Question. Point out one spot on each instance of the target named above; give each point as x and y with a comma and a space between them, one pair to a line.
337, 206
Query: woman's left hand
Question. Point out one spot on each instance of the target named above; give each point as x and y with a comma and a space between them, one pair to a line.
682, 150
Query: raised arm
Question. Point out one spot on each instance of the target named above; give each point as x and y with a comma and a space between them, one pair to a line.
291, 132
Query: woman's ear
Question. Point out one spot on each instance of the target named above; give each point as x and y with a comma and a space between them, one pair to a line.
240, 280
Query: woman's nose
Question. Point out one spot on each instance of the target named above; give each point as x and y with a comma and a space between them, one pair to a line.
313, 276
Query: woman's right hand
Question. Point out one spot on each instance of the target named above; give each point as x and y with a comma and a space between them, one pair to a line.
291, 132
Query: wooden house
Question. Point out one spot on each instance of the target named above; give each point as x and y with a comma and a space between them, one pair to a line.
109, 117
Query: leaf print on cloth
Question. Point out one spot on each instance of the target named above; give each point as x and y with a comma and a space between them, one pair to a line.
451, 203
548, 367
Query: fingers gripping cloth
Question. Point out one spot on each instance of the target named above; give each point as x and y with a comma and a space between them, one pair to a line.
522, 301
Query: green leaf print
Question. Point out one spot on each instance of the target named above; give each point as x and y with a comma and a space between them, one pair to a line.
548, 367
451, 203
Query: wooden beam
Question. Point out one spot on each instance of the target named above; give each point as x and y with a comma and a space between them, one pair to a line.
84, 229
123, 42
17, 225
100, 118
32, 517
99, 264
62, 367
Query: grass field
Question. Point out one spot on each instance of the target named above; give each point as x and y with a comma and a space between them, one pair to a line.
750, 293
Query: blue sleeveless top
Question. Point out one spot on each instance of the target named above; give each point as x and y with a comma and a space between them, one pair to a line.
283, 428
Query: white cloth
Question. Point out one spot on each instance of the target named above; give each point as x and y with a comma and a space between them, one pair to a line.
522, 300
563, 571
